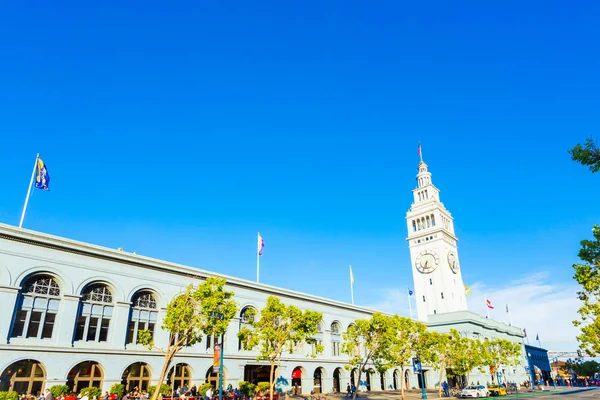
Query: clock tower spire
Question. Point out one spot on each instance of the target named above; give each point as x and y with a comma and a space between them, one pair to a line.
431, 240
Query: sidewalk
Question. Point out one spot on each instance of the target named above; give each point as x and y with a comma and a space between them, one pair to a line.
414, 394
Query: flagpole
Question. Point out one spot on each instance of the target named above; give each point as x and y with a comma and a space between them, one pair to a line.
538, 339
29, 190
509, 317
351, 285
257, 259
420, 151
409, 305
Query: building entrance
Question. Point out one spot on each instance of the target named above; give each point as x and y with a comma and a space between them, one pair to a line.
256, 373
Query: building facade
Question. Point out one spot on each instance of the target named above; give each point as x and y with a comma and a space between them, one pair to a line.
71, 312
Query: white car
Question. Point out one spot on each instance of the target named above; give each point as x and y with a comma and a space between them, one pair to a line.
474, 392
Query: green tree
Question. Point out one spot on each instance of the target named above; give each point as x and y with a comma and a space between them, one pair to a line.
91, 392
587, 275
59, 390
118, 389
365, 342
280, 328
581, 368
588, 155
448, 350
204, 310
400, 339
498, 352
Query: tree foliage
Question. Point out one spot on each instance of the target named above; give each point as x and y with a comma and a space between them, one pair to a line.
587, 275
59, 390
366, 341
581, 368
498, 352
588, 155
404, 338
280, 328
204, 310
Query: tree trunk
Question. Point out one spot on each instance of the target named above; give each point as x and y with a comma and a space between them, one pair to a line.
271, 379
357, 383
402, 383
168, 359
441, 374
468, 378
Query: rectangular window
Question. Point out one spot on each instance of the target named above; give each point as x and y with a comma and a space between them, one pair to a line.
141, 327
151, 329
335, 348
34, 324
19, 324
104, 330
92, 329
48, 326
80, 328
208, 342
130, 332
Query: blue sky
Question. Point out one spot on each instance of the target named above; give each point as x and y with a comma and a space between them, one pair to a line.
178, 131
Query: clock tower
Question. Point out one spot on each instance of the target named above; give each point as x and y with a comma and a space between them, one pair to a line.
438, 284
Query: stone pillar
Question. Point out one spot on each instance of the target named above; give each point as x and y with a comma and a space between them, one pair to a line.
119, 324
326, 385
307, 384
8, 299
161, 336
344, 384
67, 318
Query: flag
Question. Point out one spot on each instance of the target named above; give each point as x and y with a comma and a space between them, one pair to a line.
524, 332
351, 276
489, 304
261, 245
410, 292
467, 290
419, 150
537, 337
42, 178
507, 308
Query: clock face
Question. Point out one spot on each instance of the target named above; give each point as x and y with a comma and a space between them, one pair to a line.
453, 262
427, 261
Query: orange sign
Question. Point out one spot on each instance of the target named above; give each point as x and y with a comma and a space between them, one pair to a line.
217, 355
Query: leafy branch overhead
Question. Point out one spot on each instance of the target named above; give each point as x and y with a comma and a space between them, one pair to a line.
204, 310
280, 328
588, 155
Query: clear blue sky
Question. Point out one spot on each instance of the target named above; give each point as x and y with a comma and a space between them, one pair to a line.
180, 130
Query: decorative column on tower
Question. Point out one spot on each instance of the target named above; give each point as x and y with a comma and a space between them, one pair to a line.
438, 284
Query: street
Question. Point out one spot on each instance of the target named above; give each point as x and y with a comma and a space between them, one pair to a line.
560, 393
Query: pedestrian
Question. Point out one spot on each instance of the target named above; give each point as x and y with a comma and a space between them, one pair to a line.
48, 395
86, 396
348, 391
446, 389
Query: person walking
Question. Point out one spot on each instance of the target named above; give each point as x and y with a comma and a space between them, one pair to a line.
446, 389
48, 395
348, 391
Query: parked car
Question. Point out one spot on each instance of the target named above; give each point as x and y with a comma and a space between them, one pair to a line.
496, 390
473, 391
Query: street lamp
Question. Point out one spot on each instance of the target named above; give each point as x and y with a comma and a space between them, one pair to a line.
220, 316
417, 363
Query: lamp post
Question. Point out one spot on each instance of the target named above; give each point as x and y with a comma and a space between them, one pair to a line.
417, 363
220, 316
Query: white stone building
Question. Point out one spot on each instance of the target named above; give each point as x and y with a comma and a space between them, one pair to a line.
71, 311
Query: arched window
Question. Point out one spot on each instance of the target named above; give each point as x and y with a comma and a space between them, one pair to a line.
37, 308
144, 315
432, 220
136, 376
414, 225
95, 311
335, 338
25, 376
83, 375
428, 221
182, 376
245, 319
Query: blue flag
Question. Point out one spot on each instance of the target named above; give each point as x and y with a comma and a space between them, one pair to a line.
410, 292
42, 178
537, 337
